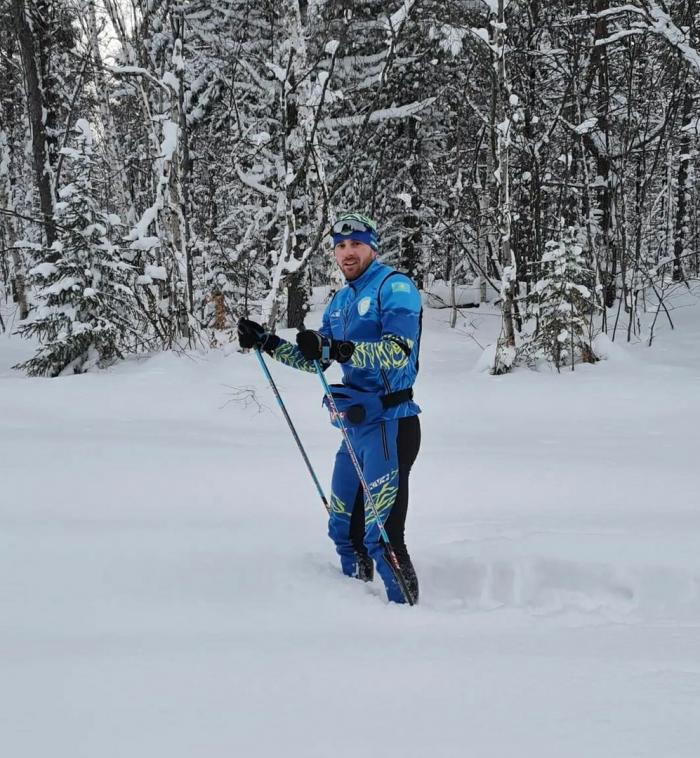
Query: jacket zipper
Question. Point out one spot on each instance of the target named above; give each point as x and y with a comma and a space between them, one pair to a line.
387, 387
346, 311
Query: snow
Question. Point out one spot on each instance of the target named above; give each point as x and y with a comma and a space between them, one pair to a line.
663, 25
96, 228
692, 126
168, 588
383, 114
398, 18
438, 294
482, 34
587, 126
156, 272
4, 154
178, 60
170, 134
651, 18
278, 72
70, 189
451, 38
146, 243
169, 79
45, 270
134, 71
66, 283
261, 138
252, 181
618, 36
82, 125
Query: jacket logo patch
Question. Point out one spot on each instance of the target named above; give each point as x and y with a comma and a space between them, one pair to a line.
400, 287
363, 305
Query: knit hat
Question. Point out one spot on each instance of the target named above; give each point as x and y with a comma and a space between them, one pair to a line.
356, 226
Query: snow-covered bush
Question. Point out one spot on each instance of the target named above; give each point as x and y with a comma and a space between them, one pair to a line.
562, 304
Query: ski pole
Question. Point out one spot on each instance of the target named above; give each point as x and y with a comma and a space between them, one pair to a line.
267, 373
393, 560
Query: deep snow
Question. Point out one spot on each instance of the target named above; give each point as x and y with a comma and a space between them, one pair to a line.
168, 589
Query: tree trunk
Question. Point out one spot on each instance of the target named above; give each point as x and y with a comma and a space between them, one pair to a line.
411, 242
183, 173
605, 194
505, 351
30, 46
680, 233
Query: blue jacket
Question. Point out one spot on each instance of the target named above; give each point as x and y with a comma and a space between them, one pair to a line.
380, 312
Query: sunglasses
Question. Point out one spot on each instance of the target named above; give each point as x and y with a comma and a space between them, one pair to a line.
349, 225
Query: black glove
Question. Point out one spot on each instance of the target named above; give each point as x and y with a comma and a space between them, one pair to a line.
251, 334
312, 346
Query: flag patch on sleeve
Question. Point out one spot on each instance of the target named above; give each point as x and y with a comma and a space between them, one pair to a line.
400, 287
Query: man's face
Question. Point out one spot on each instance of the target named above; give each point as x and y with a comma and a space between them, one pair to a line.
353, 258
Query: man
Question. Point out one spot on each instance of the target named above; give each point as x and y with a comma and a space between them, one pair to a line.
372, 328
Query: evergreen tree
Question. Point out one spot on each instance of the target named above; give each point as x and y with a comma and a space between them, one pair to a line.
563, 304
84, 303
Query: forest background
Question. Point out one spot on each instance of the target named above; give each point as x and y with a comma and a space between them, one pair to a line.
167, 167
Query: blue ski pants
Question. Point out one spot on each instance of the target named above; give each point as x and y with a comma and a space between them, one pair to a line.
386, 452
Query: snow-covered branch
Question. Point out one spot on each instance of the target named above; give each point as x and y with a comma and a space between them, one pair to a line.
383, 114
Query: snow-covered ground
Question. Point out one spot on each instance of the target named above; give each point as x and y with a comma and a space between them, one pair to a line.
167, 589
